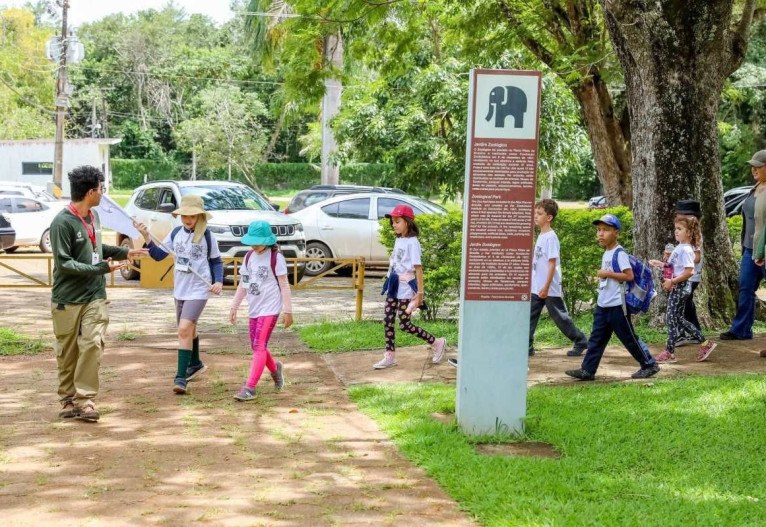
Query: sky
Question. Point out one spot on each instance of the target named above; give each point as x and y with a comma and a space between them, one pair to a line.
82, 11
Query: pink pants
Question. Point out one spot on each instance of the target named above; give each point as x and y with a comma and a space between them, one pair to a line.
260, 333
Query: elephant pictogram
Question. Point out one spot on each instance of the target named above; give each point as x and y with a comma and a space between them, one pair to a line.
505, 101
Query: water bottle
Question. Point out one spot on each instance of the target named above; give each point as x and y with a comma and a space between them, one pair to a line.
667, 271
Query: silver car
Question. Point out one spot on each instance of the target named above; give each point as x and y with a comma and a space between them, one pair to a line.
347, 226
233, 207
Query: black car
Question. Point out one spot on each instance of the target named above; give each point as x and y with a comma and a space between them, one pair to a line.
318, 193
734, 198
7, 233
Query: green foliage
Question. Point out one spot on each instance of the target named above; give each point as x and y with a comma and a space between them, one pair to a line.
335, 337
737, 144
26, 80
580, 182
137, 143
129, 173
14, 343
669, 453
440, 240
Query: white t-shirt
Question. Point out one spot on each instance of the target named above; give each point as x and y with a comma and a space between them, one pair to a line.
263, 293
405, 256
546, 248
609, 289
681, 258
187, 286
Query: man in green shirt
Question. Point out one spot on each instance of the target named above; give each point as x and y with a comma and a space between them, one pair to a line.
78, 304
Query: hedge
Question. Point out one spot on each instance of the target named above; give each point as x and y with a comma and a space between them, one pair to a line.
129, 173
441, 238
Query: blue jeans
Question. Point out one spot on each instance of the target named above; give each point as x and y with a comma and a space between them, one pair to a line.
608, 320
750, 276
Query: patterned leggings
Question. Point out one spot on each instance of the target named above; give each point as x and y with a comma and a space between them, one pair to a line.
392, 306
678, 327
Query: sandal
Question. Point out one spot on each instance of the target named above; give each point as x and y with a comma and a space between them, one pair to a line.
68, 410
88, 412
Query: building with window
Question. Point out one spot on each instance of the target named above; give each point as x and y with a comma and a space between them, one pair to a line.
31, 160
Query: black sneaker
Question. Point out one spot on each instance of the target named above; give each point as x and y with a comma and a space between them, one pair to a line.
575, 352
453, 362
279, 379
193, 372
728, 335
179, 386
531, 353
581, 374
645, 373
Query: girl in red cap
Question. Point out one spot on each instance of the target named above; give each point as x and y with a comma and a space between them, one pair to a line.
405, 291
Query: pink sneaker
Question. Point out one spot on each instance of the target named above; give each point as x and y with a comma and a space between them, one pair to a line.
666, 358
439, 345
705, 350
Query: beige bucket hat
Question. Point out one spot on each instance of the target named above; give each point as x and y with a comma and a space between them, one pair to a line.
192, 205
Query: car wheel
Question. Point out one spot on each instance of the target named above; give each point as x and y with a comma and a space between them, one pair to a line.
45, 242
126, 272
317, 250
10, 250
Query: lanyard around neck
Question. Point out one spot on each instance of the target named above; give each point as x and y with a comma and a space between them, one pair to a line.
91, 231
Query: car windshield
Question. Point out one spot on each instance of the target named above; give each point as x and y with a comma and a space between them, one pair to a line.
430, 205
228, 197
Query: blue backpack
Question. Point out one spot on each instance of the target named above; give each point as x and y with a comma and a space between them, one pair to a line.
639, 293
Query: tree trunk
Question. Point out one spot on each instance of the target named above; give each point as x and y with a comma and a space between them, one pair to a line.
675, 57
275, 135
611, 151
330, 106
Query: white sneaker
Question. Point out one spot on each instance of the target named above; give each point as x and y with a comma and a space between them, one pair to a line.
439, 345
383, 364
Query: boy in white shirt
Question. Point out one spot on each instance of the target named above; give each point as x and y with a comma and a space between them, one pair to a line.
610, 315
546, 281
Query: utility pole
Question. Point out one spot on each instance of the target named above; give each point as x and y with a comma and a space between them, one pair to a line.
94, 120
62, 102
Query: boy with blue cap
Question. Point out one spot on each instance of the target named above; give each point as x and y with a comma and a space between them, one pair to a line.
609, 316
264, 282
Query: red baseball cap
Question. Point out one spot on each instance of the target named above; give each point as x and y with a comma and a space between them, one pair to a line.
401, 211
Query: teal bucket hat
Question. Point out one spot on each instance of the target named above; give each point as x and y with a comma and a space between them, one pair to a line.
259, 233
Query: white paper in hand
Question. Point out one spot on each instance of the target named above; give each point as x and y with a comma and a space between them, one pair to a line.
114, 217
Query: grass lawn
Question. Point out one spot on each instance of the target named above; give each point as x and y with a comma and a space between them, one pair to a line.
12, 343
368, 334
678, 452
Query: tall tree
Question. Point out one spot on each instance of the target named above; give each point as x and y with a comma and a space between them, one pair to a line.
676, 56
569, 37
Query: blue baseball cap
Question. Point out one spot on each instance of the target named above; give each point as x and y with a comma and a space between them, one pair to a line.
609, 219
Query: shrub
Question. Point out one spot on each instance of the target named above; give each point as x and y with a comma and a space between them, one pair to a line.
129, 173
440, 239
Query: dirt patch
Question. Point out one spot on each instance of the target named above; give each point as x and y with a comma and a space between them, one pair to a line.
548, 366
527, 449
305, 456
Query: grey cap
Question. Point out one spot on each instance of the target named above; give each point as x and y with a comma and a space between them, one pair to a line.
669, 248
759, 159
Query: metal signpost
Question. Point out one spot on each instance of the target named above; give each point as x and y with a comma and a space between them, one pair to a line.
500, 184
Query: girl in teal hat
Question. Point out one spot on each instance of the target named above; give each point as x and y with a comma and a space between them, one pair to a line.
264, 283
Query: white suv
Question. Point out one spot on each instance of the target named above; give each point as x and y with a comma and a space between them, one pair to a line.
233, 207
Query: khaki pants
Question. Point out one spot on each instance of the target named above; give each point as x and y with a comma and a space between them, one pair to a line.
79, 331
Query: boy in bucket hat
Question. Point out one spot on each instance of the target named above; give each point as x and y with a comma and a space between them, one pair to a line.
198, 272
609, 316
264, 282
